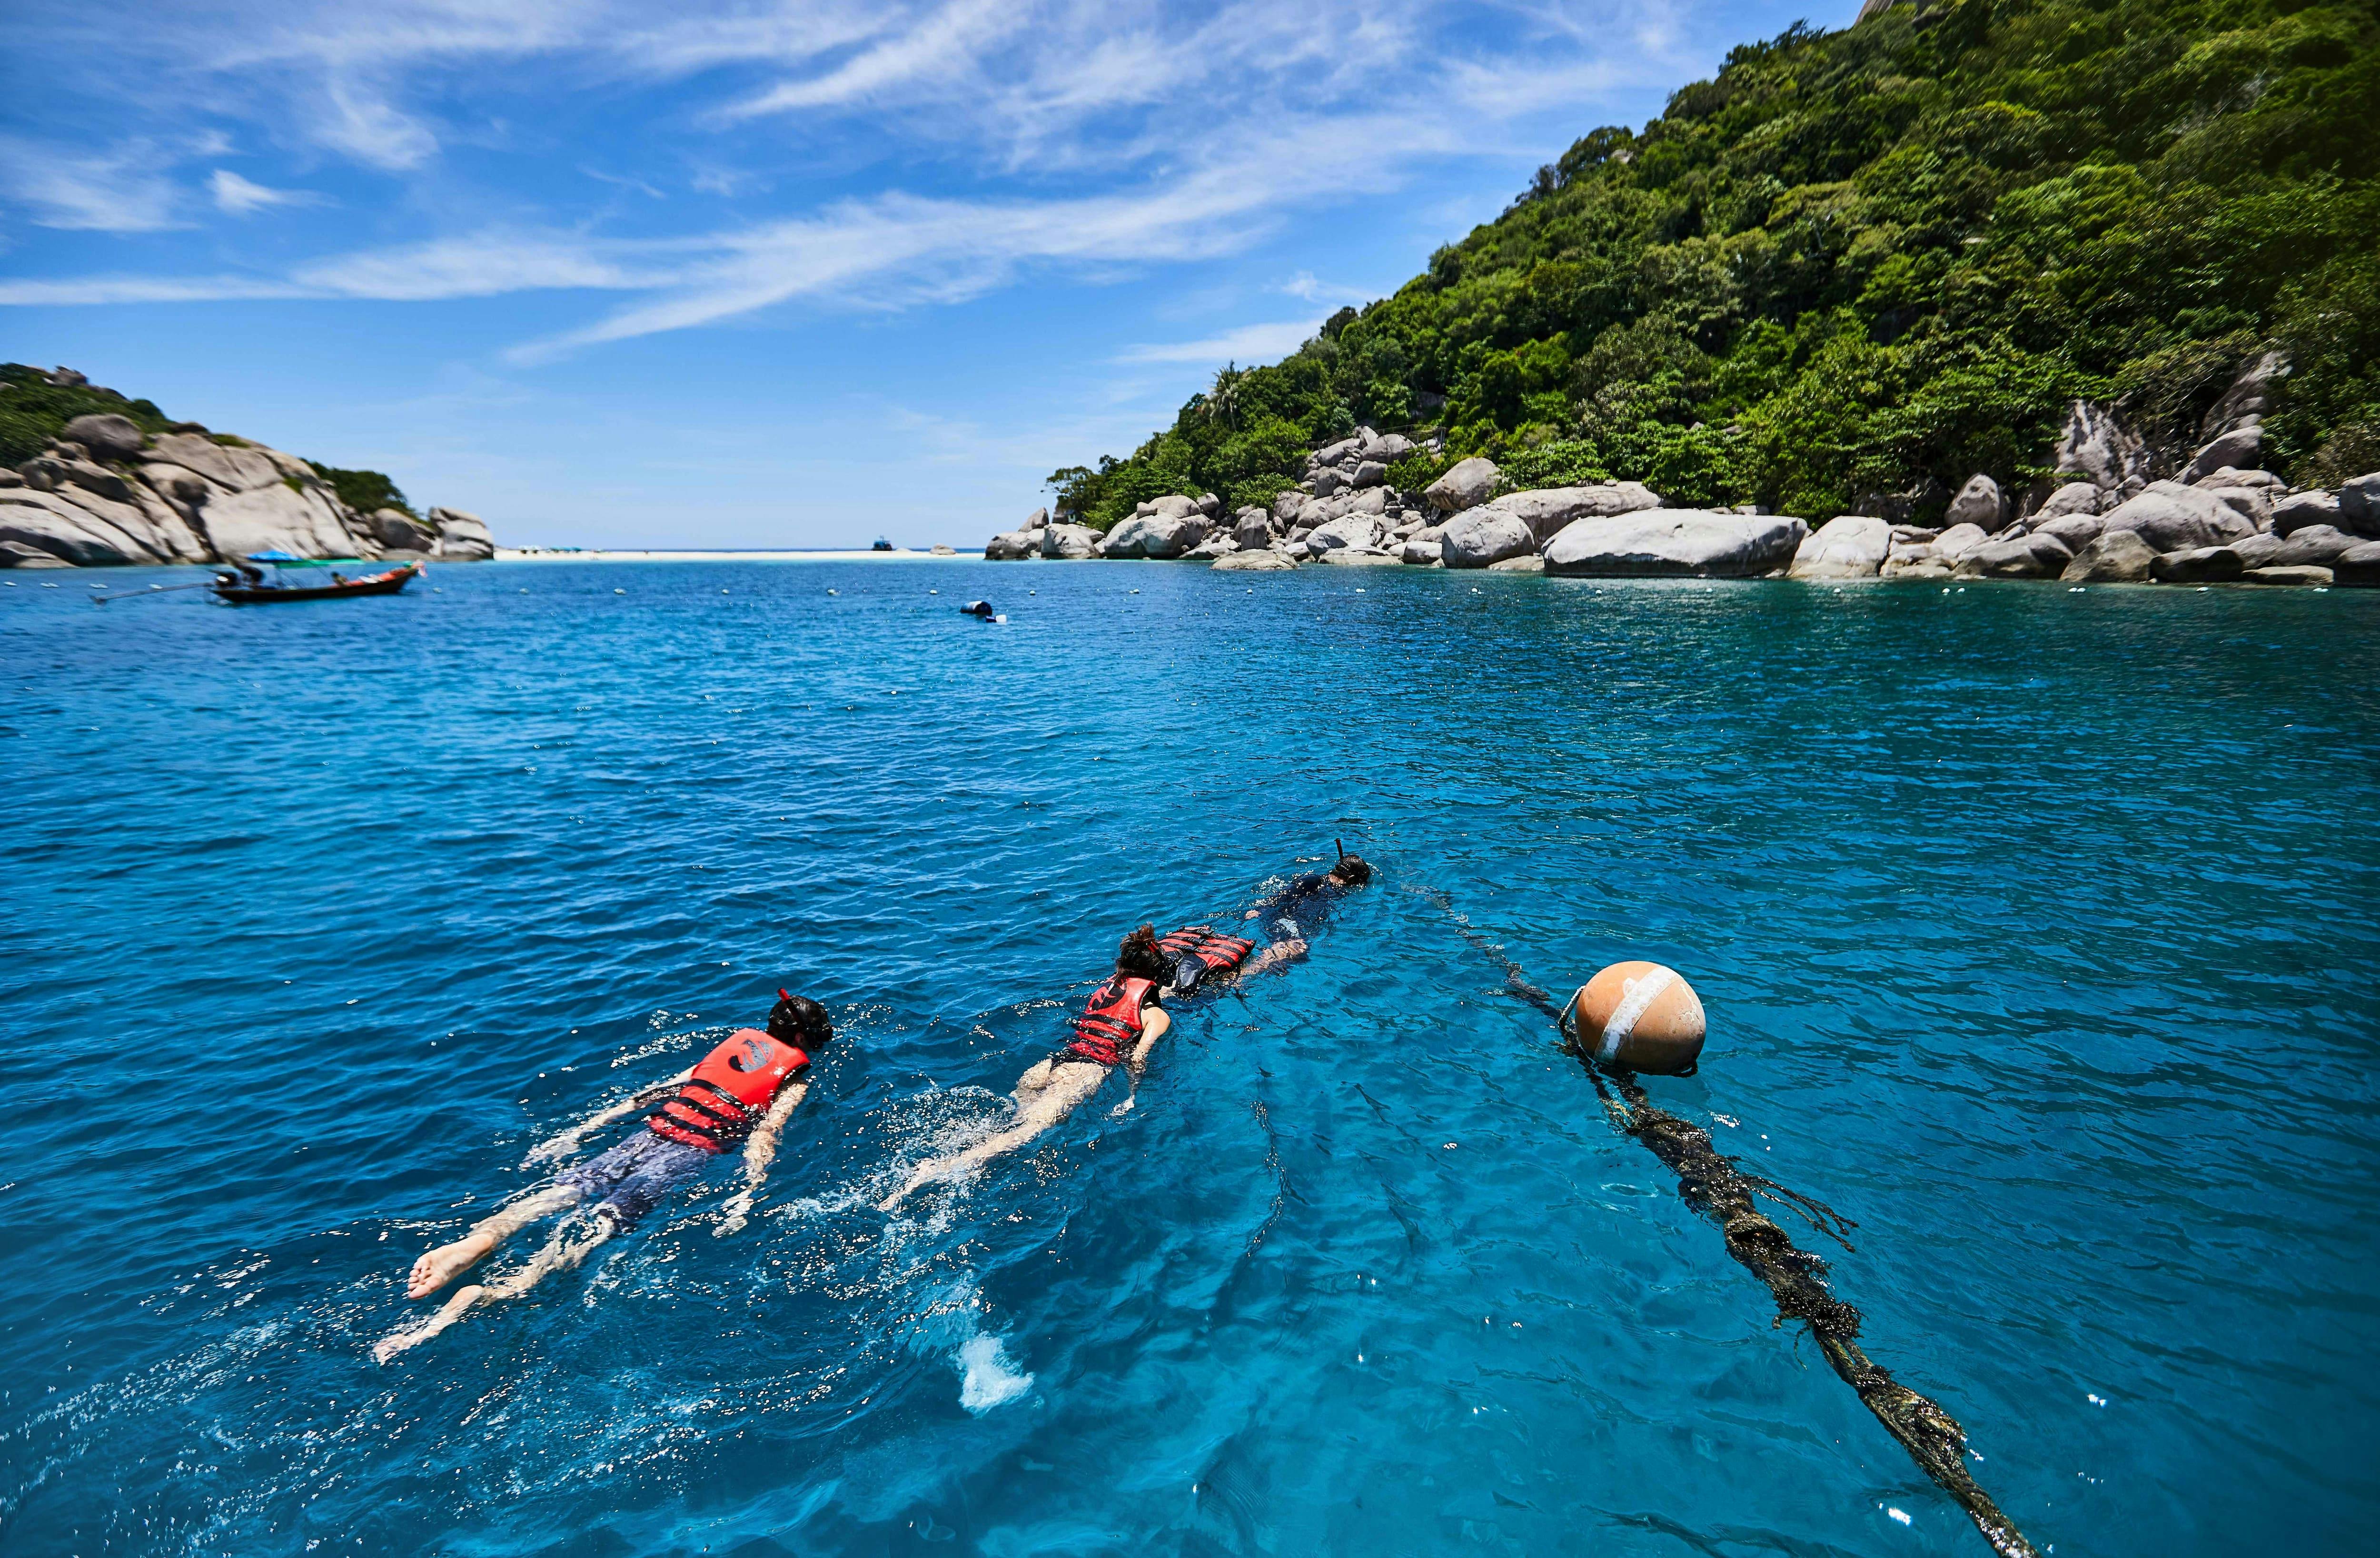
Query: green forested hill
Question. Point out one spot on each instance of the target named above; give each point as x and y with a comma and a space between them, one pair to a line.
1858, 260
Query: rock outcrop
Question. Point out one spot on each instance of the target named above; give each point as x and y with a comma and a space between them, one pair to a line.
2098, 449
105, 436
2220, 517
2075, 498
2172, 518
1978, 504
1467, 485
1158, 533
2032, 557
2358, 505
1676, 542
1849, 546
2199, 565
462, 537
2116, 557
1069, 543
105, 493
1547, 511
1254, 562
1481, 537
2300, 510
2359, 567
2313, 546
1361, 531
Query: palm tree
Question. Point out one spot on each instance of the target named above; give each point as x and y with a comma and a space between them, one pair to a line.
1223, 400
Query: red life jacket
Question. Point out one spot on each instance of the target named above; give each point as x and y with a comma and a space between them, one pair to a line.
1111, 1025
729, 1091
1217, 954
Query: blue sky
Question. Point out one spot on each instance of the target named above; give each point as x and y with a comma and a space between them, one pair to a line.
750, 273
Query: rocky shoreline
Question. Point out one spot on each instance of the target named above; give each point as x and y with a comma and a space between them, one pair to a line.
2111, 517
105, 493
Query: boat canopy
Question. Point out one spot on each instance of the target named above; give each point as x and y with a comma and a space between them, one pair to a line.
284, 560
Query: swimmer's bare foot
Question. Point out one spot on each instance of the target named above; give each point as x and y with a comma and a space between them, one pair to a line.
448, 1261
448, 1314
919, 1178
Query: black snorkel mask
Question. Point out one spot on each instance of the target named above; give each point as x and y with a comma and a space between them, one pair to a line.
791, 1023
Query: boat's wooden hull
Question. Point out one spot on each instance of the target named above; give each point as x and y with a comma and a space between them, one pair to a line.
380, 584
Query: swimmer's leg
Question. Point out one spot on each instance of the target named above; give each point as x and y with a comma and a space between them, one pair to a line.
443, 1265
560, 1252
1278, 955
1045, 1095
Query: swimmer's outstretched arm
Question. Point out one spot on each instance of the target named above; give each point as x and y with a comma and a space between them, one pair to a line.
1045, 1095
562, 1146
760, 1151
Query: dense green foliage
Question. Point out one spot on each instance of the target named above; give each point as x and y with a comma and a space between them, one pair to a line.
32, 410
363, 491
1878, 260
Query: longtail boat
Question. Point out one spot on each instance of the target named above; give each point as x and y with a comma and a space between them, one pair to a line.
249, 588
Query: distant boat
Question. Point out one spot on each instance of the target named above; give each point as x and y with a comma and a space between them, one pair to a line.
249, 586
882, 545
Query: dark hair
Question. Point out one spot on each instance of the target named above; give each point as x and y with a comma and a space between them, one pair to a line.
1353, 870
799, 1019
1141, 958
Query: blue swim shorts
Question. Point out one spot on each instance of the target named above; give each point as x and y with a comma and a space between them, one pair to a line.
629, 1180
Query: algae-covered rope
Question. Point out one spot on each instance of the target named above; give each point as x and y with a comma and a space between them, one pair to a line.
1712, 1183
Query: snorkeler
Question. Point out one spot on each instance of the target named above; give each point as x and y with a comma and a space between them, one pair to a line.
1291, 916
1125, 1017
742, 1090
1118, 1027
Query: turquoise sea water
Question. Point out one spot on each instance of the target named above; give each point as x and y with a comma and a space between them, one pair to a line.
2036, 929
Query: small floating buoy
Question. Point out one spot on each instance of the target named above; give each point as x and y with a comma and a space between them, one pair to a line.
1640, 1016
619, 592
723, 592
835, 591
933, 592
1136, 592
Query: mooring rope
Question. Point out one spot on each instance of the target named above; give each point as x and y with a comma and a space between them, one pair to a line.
1713, 1185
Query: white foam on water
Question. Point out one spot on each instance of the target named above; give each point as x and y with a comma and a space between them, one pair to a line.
988, 1378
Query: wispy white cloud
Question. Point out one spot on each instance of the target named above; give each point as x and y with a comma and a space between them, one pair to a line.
943, 44
894, 251
241, 198
357, 114
127, 187
1103, 137
1249, 343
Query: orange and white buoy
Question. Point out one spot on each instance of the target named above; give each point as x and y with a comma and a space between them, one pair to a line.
1639, 1016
